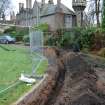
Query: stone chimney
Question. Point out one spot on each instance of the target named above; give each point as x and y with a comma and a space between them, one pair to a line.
58, 8
51, 2
21, 6
28, 4
58, 3
43, 3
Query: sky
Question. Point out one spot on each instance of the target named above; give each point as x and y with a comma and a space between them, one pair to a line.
68, 3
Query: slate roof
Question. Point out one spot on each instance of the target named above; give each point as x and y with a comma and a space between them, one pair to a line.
49, 9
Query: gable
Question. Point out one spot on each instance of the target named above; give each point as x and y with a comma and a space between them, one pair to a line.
49, 9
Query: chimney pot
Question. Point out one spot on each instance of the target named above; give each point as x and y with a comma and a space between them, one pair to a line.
28, 3
51, 2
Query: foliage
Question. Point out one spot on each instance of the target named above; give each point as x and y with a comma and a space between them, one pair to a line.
4, 8
43, 27
84, 38
103, 16
69, 37
17, 32
87, 37
26, 39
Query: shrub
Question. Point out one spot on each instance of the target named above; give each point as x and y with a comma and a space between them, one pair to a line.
43, 27
70, 37
11, 29
79, 36
53, 41
17, 32
26, 39
87, 38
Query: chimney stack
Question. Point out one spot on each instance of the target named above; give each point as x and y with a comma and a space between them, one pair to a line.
58, 8
43, 3
51, 2
28, 4
21, 6
58, 3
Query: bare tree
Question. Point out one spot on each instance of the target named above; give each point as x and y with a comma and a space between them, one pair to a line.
4, 7
94, 9
97, 10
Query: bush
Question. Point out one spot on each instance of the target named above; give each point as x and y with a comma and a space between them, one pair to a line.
26, 39
70, 37
87, 38
43, 27
17, 32
53, 41
75, 36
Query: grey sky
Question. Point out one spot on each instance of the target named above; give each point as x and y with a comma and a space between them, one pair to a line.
68, 3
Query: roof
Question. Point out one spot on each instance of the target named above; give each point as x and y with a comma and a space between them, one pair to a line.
66, 10
49, 9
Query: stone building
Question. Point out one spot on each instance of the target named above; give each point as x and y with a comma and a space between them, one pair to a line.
56, 16
12, 17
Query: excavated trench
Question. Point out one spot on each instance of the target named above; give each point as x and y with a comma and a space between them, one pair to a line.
70, 81
76, 84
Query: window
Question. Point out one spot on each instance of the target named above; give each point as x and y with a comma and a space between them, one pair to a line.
68, 19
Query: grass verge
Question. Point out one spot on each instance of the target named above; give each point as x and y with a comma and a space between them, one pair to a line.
12, 64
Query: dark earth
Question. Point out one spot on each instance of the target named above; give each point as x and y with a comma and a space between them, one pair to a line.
72, 80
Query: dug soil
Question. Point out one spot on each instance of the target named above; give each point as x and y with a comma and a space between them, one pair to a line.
71, 81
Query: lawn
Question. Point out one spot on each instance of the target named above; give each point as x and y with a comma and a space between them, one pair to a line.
13, 62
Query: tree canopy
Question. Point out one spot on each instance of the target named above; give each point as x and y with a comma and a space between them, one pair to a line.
103, 15
4, 6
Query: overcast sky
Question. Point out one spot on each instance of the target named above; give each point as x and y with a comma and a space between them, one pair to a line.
68, 3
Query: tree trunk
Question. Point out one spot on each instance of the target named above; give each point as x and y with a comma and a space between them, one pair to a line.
97, 9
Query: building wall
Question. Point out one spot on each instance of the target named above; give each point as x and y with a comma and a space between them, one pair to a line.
59, 20
50, 20
55, 21
28, 3
68, 21
79, 18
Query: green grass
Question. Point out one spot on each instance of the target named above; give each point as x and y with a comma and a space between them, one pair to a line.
12, 64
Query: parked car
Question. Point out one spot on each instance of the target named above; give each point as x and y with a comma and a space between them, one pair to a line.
6, 39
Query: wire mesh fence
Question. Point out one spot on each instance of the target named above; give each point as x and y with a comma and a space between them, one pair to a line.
23, 57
